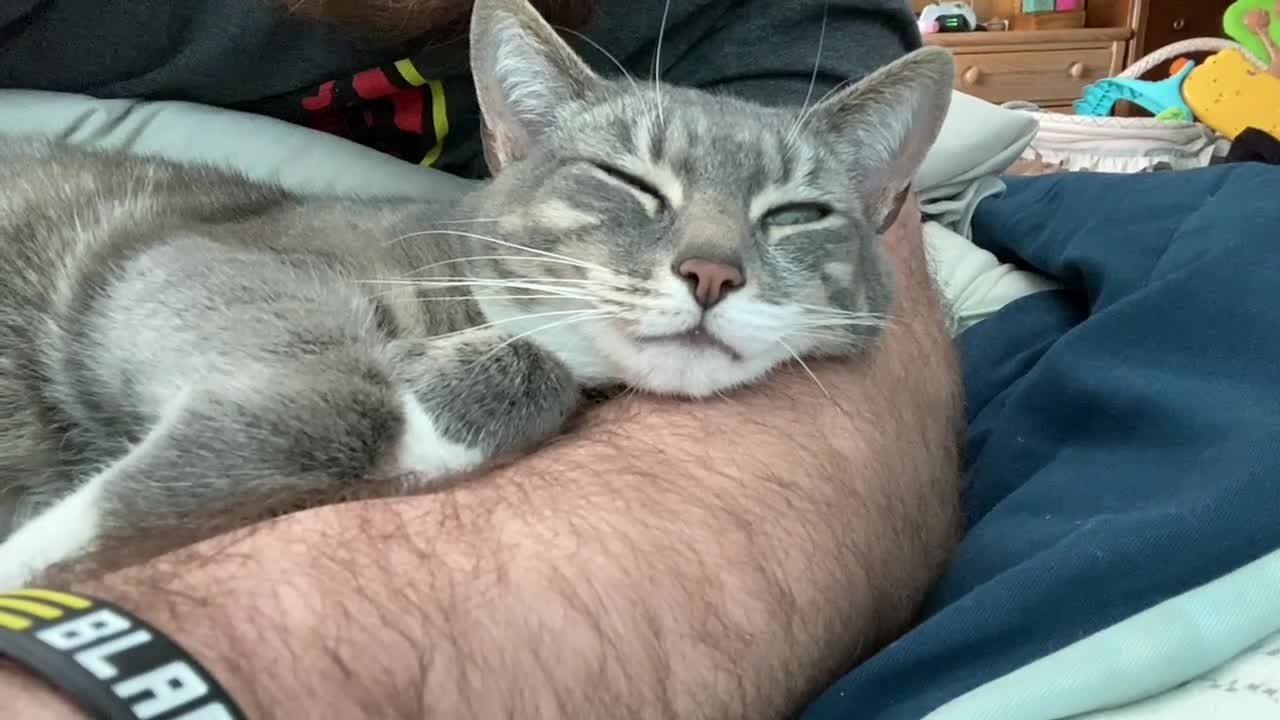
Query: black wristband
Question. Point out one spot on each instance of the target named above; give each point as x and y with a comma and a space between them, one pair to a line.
112, 664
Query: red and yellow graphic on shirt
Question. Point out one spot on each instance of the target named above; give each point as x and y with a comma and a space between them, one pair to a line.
393, 108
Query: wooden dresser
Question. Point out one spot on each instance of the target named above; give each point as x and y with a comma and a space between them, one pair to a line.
1051, 67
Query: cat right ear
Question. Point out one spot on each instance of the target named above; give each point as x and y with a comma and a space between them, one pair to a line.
883, 127
525, 74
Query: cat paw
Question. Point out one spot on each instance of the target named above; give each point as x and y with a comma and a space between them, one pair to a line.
15, 571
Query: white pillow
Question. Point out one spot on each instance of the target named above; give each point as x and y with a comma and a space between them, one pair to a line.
978, 141
264, 148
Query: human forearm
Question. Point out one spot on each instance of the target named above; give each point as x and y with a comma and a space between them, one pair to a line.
719, 560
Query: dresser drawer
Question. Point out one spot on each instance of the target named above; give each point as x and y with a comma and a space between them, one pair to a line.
1039, 76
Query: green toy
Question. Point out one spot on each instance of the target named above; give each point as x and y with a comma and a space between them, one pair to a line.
1174, 115
1236, 27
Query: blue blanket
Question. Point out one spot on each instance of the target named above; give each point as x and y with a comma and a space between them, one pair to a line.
1124, 431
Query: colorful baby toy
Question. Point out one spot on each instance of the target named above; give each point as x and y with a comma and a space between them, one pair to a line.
1157, 98
1235, 88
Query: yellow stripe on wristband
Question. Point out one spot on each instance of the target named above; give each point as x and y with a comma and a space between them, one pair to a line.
13, 622
53, 596
30, 607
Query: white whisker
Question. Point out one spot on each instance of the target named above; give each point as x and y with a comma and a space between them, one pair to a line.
612, 58
508, 243
581, 315
556, 261
813, 79
827, 309
558, 283
805, 365
468, 221
456, 298
583, 293
505, 321
841, 338
657, 61
804, 116
844, 323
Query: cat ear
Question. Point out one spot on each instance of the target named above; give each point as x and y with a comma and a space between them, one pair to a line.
885, 124
524, 74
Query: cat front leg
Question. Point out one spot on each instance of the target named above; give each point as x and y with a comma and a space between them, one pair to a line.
476, 397
225, 454
64, 530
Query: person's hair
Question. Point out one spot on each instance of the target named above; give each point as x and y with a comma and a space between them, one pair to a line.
406, 19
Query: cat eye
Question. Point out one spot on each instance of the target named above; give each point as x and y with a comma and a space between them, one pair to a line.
795, 214
634, 181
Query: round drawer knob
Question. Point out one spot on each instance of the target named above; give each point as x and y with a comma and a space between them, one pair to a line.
972, 76
1076, 70
1179, 24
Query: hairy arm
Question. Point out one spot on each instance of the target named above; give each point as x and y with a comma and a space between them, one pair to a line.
725, 559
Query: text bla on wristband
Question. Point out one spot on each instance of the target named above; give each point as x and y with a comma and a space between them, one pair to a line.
109, 662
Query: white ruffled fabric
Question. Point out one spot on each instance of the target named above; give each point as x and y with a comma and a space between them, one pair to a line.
1118, 144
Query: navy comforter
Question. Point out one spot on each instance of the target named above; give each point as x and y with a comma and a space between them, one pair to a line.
1125, 431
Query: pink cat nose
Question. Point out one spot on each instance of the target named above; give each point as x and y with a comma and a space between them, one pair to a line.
710, 280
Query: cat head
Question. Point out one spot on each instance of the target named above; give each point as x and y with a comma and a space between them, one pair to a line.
680, 241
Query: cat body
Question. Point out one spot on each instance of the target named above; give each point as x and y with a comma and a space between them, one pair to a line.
177, 340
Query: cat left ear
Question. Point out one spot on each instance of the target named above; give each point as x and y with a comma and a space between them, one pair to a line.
525, 74
884, 126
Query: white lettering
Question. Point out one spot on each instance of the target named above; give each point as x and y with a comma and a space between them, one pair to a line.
83, 630
96, 659
170, 686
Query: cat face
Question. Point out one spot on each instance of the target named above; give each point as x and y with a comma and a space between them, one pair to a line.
678, 241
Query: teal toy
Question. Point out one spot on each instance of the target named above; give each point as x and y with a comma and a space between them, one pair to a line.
1155, 97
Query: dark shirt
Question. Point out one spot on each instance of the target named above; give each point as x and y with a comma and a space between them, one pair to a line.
416, 100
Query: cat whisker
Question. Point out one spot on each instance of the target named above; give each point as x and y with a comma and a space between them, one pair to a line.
551, 292
657, 61
840, 338
580, 316
842, 326
844, 323
496, 278
828, 310
813, 79
507, 243
522, 258
464, 221
805, 114
456, 298
505, 321
532, 284
805, 365
479, 291
610, 56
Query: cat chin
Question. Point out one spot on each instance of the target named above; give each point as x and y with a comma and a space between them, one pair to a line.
668, 368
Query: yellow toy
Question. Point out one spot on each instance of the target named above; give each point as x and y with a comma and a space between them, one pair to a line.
1240, 87
1230, 93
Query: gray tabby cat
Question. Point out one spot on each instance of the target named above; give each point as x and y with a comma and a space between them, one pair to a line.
178, 340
